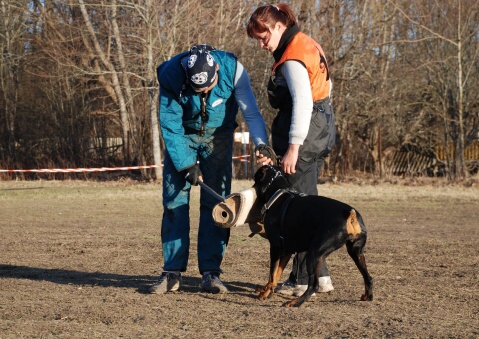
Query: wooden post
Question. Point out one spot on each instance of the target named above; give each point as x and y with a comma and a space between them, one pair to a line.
380, 161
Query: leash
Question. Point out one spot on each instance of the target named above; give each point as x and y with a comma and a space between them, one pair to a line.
211, 191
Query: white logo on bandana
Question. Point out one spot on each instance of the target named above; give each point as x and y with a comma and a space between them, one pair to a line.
192, 60
209, 60
199, 78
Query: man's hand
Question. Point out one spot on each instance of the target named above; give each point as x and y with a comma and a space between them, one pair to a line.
264, 155
193, 174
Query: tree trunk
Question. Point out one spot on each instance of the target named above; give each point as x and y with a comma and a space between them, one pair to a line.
153, 94
461, 163
123, 111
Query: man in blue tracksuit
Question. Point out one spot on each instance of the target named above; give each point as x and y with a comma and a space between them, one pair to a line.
200, 92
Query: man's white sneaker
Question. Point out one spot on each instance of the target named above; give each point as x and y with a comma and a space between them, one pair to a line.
325, 284
288, 288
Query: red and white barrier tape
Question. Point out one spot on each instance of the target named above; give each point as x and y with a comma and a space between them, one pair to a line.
81, 170
242, 158
78, 170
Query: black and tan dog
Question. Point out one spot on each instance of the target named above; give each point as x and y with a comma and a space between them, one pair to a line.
295, 222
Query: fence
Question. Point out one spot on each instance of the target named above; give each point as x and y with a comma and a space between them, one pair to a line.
416, 162
470, 153
407, 162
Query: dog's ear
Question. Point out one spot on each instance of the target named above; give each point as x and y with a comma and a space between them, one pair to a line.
260, 175
257, 228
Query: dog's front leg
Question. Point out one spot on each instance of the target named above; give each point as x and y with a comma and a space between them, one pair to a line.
275, 270
283, 261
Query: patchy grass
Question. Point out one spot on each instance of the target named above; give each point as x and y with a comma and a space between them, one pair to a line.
76, 259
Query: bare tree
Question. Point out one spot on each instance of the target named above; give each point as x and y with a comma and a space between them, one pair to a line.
448, 32
84, 70
12, 33
150, 14
352, 35
115, 72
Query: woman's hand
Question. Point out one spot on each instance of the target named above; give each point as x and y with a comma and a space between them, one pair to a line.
290, 158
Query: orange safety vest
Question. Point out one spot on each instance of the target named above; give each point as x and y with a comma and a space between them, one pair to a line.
310, 53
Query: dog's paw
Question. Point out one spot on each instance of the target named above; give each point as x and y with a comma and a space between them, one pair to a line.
294, 303
260, 289
290, 304
264, 292
264, 295
367, 297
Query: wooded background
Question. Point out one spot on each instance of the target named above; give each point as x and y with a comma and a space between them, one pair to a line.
79, 88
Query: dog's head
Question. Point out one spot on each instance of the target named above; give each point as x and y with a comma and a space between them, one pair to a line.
267, 180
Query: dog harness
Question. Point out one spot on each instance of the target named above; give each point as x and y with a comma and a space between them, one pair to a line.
291, 194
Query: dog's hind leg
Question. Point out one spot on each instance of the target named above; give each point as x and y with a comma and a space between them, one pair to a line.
313, 265
356, 252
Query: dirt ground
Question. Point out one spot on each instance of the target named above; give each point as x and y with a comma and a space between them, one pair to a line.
76, 259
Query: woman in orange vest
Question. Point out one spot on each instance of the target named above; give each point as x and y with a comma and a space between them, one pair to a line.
303, 131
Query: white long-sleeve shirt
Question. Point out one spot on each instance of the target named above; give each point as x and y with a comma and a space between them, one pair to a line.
297, 78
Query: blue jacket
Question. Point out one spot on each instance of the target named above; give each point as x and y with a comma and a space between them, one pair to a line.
180, 107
